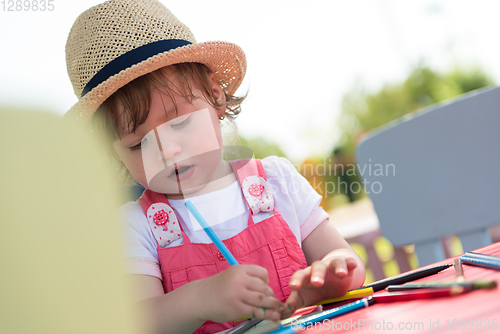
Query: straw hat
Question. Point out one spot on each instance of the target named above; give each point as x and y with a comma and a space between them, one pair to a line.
115, 42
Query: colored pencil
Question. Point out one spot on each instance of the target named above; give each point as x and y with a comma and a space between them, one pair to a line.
475, 284
482, 256
419, 294
352, 294
438, 285
328, 314
244, 326
407, 277
481, 262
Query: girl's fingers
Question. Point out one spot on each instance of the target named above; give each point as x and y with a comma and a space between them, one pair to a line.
351, 263
318, 273
258, 272
262, 306
314, 275
293, 302
256, 299
264, 313
339, 267
257, 285
299, 278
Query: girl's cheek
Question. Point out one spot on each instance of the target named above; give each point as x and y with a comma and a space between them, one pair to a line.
209, 140
135, 167
208, 132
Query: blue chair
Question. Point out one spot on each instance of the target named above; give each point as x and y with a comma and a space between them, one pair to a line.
435, 173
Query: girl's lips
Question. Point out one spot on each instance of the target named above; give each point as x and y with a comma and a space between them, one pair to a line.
183, 173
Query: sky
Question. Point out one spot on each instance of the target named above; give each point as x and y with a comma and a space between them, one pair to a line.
303, 56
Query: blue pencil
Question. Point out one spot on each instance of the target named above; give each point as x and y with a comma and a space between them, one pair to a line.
482, 256
211, 234
329, 314
479, 261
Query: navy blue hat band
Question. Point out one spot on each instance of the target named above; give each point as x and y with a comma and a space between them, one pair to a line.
130, 58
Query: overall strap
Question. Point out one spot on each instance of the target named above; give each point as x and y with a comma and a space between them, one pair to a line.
149, 197
163, 221
253, 183
247, 167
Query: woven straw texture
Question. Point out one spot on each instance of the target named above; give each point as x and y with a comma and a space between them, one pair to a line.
113, 28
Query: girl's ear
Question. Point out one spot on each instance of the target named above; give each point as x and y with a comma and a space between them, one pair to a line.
218, 92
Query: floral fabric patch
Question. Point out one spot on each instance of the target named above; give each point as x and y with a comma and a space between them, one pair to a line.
258, 194
164, 224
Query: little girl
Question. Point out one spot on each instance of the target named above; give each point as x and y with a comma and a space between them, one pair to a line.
142, 79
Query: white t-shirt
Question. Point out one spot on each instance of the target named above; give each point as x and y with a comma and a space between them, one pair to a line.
294, 198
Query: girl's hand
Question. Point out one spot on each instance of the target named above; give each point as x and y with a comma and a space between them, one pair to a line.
238, 292
329, 278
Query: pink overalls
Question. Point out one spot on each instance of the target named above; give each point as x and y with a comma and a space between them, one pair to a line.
270, 243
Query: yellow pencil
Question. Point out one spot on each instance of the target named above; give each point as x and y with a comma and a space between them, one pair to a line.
358, 293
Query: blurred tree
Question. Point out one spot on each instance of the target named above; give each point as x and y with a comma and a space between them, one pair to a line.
363, 111
262, 147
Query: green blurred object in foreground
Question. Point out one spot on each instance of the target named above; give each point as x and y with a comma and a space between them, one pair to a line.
59, 241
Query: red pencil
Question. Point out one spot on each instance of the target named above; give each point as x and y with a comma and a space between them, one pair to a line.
419, 294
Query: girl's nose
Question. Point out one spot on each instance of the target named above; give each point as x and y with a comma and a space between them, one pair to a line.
168, 143
168, 150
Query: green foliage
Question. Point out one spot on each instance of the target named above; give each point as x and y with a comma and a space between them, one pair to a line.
363, 111
262, 147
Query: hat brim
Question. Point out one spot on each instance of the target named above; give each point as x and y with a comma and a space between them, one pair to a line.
226, 60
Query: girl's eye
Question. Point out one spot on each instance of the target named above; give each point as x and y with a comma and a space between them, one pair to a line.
138, 146
181, 124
